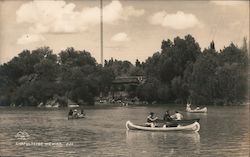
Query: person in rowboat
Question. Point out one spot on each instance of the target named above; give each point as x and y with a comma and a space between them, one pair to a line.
81, 114
151, 119
75, 115
70, 112
177, 116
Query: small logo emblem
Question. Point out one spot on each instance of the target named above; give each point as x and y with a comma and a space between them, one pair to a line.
22, 135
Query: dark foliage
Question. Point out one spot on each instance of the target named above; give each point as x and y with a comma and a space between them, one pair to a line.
180, 72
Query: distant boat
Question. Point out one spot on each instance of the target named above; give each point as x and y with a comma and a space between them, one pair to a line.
52, 104
56, 105
13, 105
72, 104
191, 127
76, 115
124, 104
40, 105
202, 110
103, 101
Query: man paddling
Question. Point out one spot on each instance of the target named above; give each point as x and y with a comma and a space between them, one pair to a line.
151, 119
70, 114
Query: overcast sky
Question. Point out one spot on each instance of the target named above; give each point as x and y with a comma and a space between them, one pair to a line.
133, 29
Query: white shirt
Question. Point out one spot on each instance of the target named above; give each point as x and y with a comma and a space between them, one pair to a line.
177, 116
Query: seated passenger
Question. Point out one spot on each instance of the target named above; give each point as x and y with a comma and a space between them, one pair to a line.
198, 107
75, 113
166, 116
70, 112
177, 116
81, 114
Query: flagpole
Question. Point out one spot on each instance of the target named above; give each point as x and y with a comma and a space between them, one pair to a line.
101, 30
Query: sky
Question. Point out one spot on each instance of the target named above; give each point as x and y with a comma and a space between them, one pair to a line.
132, 29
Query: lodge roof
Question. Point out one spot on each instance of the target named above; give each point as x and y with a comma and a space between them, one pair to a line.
129, 80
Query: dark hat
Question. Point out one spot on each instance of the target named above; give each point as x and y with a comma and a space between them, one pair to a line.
151, 113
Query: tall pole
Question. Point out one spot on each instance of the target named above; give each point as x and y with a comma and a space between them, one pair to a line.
101, 30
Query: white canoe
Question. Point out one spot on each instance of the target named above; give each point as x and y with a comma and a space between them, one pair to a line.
203, 110
73, 106
192, 127
52, 106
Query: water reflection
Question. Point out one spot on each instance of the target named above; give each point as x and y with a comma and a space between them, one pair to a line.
142, 143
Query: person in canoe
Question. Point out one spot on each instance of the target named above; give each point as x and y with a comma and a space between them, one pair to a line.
151, 119
70, 113
168, 120
167, 116
197, 107
177, 116
75, 115
81, 114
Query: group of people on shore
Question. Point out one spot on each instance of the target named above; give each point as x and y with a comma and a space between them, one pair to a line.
151, 119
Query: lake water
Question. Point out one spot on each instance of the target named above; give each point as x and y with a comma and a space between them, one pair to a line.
224, 132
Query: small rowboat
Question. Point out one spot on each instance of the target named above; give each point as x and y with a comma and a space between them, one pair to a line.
202, 110
192, 127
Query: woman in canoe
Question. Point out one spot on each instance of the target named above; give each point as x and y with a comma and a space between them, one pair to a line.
151, 119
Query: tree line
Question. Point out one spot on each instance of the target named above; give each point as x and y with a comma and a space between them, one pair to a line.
181, 72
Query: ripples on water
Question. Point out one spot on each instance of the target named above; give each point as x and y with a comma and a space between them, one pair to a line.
224, 132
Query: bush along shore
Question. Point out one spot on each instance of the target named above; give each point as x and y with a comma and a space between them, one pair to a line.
180, 72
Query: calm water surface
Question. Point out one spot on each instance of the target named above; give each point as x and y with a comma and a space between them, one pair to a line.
224, 132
